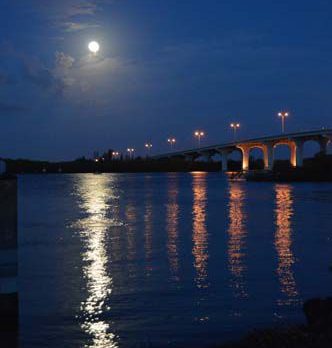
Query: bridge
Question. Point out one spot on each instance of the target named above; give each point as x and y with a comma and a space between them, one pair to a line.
294, 141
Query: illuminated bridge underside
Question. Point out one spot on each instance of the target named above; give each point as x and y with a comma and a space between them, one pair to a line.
294, 141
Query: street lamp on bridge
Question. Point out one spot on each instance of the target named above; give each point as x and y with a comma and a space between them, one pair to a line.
199, 134
235, 127
171, 141
131, 152
115, 154
283, 116
148, 147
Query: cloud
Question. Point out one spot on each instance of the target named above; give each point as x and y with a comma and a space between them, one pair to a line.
72, 26
35, 72
32, 69
54, 79
70, 15
62, 70
63, 61
11, 108
66, 8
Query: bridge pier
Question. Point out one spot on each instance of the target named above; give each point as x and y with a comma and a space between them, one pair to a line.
224, 160
268, 156
207, 156
298, 161
323, 145
292, 147
189, 158
245, 156
296, 149
267, 152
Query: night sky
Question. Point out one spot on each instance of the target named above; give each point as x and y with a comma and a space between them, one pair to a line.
166, 67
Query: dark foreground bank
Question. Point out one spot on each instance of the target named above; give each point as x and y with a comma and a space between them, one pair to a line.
317, 333
109, 166
9, 298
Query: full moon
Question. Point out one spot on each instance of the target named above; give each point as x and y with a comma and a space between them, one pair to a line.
94, 46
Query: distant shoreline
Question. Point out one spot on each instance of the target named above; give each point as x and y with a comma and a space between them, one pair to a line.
317, 169
115, 166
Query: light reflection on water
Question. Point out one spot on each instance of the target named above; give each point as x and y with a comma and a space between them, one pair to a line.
95, 195
130, 215
237, 238
284, 213
172, 222
200, 238
148, 226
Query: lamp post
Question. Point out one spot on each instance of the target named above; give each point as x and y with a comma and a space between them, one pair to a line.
171, 141
115, 154
235, 127
148, 147
199, 134
283, 116
131, 152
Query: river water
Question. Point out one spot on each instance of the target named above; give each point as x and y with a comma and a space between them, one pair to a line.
166, 260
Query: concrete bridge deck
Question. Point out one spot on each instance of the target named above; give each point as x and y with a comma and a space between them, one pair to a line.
295, 142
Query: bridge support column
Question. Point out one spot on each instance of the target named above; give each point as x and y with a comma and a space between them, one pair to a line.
323, 145
245, 157
189, 158
224, 160
207, 157
297, 153
268, 156
292, 147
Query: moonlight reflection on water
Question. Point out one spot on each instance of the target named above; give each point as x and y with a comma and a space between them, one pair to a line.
96, 197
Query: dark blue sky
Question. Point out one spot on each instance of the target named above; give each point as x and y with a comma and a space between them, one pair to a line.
166, 67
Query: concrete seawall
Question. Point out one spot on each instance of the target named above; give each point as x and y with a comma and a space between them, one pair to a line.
9, 312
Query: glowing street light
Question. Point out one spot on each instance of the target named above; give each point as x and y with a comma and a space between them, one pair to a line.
148, 146
115, 154
283, 116
131, 152
199, 134
235, 127
171, 141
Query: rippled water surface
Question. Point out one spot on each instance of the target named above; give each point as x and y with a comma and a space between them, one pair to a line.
141, 260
